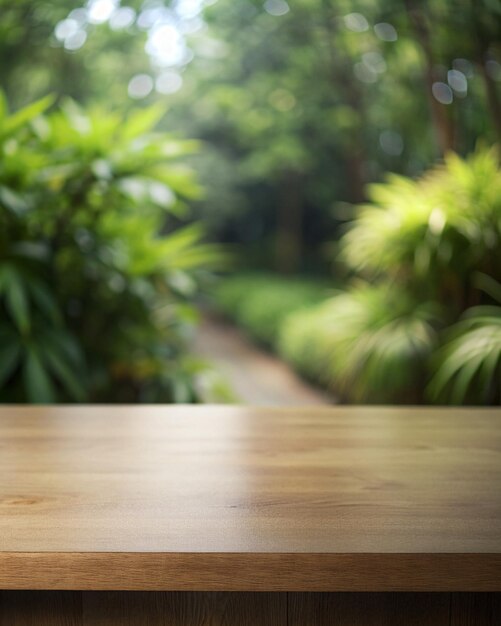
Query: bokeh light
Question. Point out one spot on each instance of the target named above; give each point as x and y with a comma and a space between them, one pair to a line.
276, 7
385, 31
166, 45
122, 18
391, 142
99, 11
374, 61
76, 40
356, 22
168, 82
365, 73
66, 28
140, 86
457, 80
442, 92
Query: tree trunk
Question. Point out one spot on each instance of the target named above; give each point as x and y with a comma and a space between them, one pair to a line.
289, 223
355, 176
492, 98
341, 77
442, 121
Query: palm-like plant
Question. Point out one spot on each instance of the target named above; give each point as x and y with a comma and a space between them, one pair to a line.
372, 344
429, 238
468, 366
435, 232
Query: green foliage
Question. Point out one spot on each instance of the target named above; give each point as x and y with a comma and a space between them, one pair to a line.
425, 243
331, 94
468, 366
296, 110
260, 302
434, 232
370, 344
432, 250
305, 341
94, 290
327, 93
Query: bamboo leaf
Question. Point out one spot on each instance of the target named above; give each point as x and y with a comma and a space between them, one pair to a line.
39, 387
17, 302
64, 372
24, 115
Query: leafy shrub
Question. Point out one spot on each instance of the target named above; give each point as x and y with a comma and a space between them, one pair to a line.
429, 238
468, 366
434, 233
432, 249
369, 344
261, 302
305, 341
93, 290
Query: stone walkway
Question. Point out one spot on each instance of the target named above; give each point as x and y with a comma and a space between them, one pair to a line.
255, 376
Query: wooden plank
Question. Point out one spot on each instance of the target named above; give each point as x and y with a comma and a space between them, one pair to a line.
369, 609
241, 498
475, 609
184, 609
251, 572
40, 608
35, 608
48, 608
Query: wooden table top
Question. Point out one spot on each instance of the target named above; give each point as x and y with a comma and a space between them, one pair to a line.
241, 498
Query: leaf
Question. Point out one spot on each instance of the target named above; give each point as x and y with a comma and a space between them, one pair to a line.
38, 385
488, 284
467, 364
487, 374
45, 301
182, 239
143, 120
63, 371
24, 115
17, 302
75, 117
67, 346
464, 378
13, 201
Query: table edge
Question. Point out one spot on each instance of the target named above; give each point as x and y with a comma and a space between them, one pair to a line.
230, 571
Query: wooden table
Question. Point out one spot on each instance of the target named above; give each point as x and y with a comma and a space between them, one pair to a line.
191, 515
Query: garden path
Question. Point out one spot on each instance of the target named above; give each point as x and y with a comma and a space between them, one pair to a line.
255, 376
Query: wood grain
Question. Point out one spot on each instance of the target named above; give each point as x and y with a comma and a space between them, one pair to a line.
250, 571
184, 609
38, 608
49, 608
470, 609
241, 498
369, 609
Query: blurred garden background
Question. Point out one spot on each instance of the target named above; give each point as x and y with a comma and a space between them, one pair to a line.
250, 201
